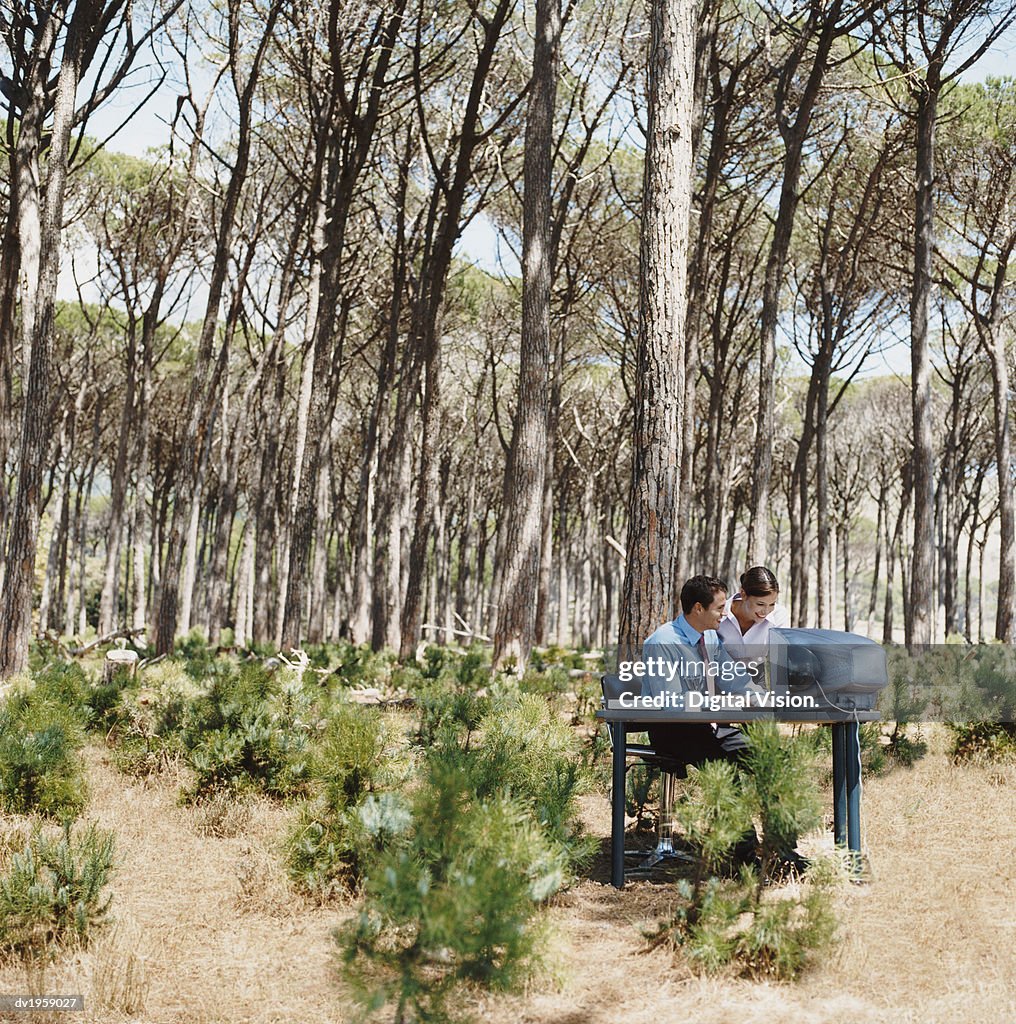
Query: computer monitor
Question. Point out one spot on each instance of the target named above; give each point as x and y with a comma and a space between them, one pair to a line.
838, 670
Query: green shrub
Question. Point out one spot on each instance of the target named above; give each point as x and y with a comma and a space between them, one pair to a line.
641, 787
40, 768
762, 933
147, 736
250, 731
448, 713
53, 890
983, 742
714, 810
953, 682
452, 690
736, 921
995, 678
453, 903
256, 751
772, 937
589, 694
70, 685
549, 682
973, 688
198, 658
880, 752
148, 724
355, 665
527, 754
542, 658
782, 787
787, 934
65, 683
903, 748
346, 822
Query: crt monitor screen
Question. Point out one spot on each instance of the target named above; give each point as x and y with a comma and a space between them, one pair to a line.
841, 670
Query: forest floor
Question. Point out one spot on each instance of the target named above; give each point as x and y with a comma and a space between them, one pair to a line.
205, 929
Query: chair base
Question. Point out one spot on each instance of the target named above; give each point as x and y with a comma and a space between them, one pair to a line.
664, 851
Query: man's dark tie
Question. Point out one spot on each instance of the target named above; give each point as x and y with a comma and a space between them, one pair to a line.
704, 651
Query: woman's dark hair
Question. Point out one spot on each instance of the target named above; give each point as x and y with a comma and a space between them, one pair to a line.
759, 582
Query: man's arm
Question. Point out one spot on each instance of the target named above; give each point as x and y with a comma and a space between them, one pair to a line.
670, 665
733, 675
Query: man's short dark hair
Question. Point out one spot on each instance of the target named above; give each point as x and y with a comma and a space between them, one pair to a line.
700, 590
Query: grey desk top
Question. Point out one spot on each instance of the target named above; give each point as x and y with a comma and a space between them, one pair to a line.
657, 715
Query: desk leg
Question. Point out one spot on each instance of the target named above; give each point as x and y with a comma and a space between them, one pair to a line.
852, 755
618, 737
839, 784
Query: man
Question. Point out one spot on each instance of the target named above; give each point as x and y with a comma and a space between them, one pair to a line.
678, 655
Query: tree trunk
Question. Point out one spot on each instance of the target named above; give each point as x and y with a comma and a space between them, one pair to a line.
393, 491
647, 597
426, 321
982, 587
218, 572
108, 603
1005, 618
894, 556
74, 542
371, 554
521, 525
202, 401
426, 493
319, 568
190, 568
825, 586
266, 502
463, 577
9, 271
60, 505
541, 628
244, 587
38, 319
921, 594
880, 529
848, 620
794, 134
968, 618
563, 597
313, 323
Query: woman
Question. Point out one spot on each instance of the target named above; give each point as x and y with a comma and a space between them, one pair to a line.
750, 614
744, 630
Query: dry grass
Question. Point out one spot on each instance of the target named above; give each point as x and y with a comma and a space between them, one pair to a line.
929, 940
119, 979
176, 891
206, 930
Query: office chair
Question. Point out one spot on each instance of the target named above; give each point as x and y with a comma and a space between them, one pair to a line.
612, 688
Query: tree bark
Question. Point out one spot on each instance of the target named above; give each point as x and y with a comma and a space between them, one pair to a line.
921, 593
521, 525
425, 335
794, 132
647, 598
1005, 619
202, 402
118, 489
345, 142
38, 317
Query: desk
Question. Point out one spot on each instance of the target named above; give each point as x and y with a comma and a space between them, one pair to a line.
846, 764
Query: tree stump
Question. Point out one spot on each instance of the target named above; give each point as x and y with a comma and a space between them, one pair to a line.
120, 666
